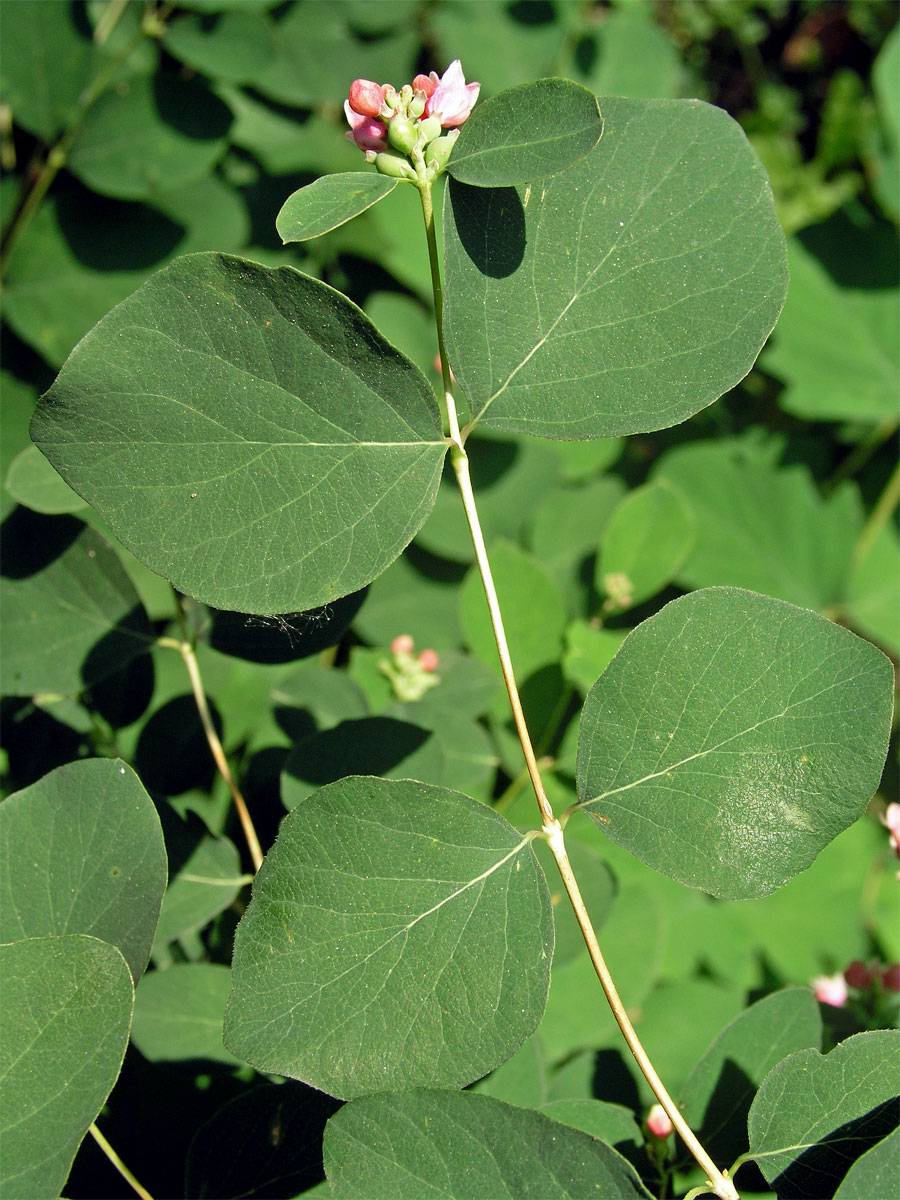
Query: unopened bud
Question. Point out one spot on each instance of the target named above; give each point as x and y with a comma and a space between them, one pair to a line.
402, 644
424, 84
890, 977
366, 97
438, 152
858, 975
394, 165
658, 1122
417, 105
429, 129
830, 989
403, 134
428, 660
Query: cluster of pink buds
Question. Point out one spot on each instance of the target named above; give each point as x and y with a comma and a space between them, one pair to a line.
411, 674
858, 977
402, 133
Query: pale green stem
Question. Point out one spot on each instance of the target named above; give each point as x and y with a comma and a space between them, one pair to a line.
118, 1164
878, 517
186, 649
552, 830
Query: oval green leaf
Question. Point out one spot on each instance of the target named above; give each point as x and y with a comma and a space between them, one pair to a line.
329, 202
81, 851
732, 738
178, 1013
247, 434
464, 1146
399, 935
525, 133
647, 539
624, 294
816, 1114
65, 1009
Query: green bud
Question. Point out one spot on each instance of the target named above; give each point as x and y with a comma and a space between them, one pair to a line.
394, 165
429, 129
438, 152
403, 134
416, 106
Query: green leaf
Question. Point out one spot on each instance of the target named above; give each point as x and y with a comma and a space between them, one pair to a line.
521, 1080
624, 294
412, 596
149, 136
33, 482
717, 1096
764, 527
873, 591
816, 1113
588, 653
530, 38
70, 615
874, 1173
46, 64
463, 1146
646, 541
204, 876
526, 133
230, 414
627, 54
329, 202
82, 852
65, 1008
611, 1123
178, 1013
836, 365
399, 935
598, 890
732, 738
268, 1137
235, 48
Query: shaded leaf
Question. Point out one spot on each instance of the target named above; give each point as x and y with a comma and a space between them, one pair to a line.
874, 1173
226, 413
82, 852
525, 133
178, 1013
463, 1146
47, 62
267, 1141
33, 482
69, 613
638, 298
399, 934
65, 1007
329, 202
732, 738
816, 1113
718, 1094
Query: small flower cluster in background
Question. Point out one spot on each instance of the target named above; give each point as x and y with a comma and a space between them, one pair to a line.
411, 675
869, 991
402, 132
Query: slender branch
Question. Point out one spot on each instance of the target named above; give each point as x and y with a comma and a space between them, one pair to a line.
186, 650
552, 829
719, 1181
118, 1164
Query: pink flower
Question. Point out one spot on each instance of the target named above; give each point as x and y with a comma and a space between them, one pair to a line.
366, 97
830, 989
658, 1121
428, 660
368, 133
402, 644
452, 98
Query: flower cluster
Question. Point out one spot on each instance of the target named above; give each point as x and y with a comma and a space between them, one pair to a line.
402, 132
411, 676
858, 977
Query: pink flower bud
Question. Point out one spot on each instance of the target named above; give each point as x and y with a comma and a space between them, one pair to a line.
830, 989
428, 660
892, 821
452, 98
890, 978
425, 83
402, 644
658, 1121
366, 97
858, 975
366, 132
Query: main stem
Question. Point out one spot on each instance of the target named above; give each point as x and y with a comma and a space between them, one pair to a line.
719, 1181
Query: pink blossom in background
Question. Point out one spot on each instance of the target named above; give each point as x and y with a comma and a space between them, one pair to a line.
368, 133
830, 989
890, 977
892, 821
452, 98
658, 1121
428, 660
858, 975
402, 644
